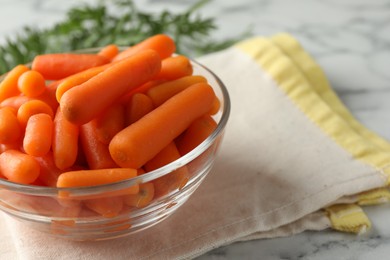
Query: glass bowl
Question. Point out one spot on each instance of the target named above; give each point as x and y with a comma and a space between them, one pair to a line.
61, 211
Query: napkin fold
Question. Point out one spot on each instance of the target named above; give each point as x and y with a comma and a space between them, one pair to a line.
293, 159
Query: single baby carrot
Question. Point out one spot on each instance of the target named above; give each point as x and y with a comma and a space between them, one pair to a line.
162, 92
175, 67
142, 198
161, 43
172, 181
96, 153
109, 51
89, 99
31, 83
49, 172
38, 135
84, 178
195, 134
108, 207
56, 66
10, 129
65, 141
139, 105
15, 101
9, 85
32, 107
19, 167
141, 141
109, 123
77, 79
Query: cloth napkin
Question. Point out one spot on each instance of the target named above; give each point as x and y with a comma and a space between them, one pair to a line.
293, 159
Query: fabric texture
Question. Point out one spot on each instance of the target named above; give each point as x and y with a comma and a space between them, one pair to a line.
293, 159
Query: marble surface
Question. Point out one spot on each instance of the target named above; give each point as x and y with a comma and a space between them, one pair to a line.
350, 39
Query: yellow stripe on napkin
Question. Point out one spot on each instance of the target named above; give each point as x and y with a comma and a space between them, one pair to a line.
373, 197
348, 218
317, 79
291, 80
320, 84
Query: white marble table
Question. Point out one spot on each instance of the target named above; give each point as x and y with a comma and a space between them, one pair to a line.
350, 39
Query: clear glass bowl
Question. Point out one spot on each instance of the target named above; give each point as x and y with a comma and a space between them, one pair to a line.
47, 210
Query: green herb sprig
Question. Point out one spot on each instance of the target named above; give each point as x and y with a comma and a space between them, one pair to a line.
118, 22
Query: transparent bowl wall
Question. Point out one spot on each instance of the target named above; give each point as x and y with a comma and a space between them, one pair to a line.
46, 209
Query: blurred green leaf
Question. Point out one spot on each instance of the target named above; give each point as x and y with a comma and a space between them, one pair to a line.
118, 22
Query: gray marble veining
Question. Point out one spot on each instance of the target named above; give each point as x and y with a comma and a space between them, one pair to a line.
350, 39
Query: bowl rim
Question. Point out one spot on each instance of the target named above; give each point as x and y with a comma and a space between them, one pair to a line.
183, 160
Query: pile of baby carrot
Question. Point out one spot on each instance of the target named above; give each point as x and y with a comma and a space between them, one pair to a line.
75, 120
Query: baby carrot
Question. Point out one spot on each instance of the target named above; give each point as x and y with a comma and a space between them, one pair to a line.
216, 106
120, 225
108, 207
141, 89
196, 133
11, 146
76, 79
81, 160
32, 107
142, 198
15, 101
141, 141
172, 181
65, 141
19, 167
139, 105
44, 206
38, 182
109, 51
84, 178
38, 136
31, 83
109, 123
49, 172
40, 205
86, 101
161, 43
10, 129
56, 66
54, 84
95, 152
49, 97
162, 92
175, 67
9, 85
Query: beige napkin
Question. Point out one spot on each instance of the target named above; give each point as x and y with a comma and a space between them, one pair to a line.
293, 159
